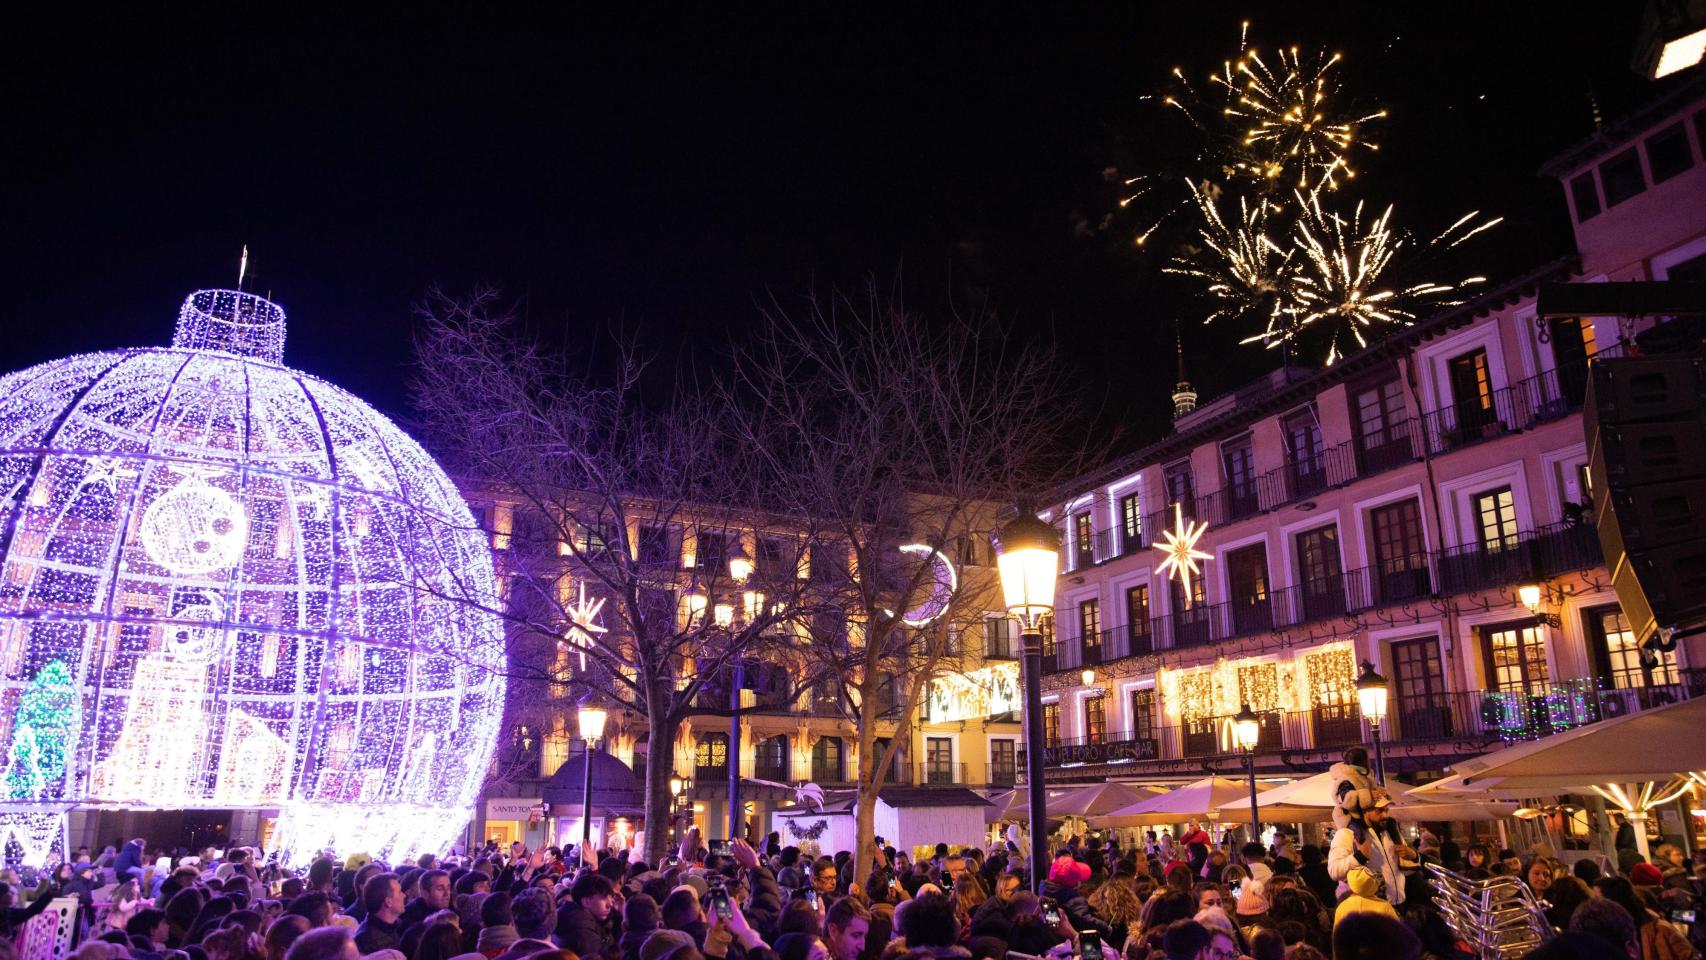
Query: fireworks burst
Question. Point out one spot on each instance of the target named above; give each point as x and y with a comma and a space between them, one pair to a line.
1341, 283
1279, 135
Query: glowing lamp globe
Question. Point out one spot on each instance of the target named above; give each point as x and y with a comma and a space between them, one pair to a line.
224, 585
1027, 556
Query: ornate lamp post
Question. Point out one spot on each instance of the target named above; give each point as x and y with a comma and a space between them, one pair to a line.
1371, 695
1028, 557
1247, 730
592, 717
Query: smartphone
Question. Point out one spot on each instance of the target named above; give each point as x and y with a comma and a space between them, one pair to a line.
672, 862
1682, 916
720, 903
1090, 945
811, 897
1051, 912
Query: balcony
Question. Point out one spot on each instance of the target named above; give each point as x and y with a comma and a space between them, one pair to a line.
1527, 403
1550, 551
1475, 718
940, 774
1003, 774
777, 772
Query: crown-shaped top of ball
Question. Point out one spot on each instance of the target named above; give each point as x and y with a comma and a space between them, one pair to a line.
231, 321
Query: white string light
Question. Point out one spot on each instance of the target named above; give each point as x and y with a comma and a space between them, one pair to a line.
223, 584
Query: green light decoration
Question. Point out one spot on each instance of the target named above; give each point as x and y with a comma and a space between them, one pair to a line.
44, 722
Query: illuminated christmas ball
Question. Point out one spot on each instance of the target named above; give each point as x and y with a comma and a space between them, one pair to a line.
226, 584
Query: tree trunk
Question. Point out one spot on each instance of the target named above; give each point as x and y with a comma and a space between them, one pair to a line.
871, 768
662, 728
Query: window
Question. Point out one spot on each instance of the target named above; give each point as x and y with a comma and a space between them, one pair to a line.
1319, 570
771, 758
1045, 625
712, 752
1095, 720
1667, 152
828, 562
827, 760
1003, 763
1239, 462
1495, 517
1090, 627
998, 640
938, 760
1418, 679
1190, 621
1131, 522
775, 560
1380, 411
711, 551
1621, 656
1303, 452
656, 547
1471, 380
1143, 714
1516, 658
1621, 177
1137, 614
1083, 540
1318, 555
1586, 197
1051, 724
1247, 577
1401, 566
1177, 478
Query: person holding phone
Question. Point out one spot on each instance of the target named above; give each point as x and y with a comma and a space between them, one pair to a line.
1065, 878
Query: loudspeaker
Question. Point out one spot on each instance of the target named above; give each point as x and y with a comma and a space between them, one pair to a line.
1647, 466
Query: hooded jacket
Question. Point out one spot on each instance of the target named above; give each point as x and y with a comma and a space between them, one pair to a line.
1364, 898
128, 863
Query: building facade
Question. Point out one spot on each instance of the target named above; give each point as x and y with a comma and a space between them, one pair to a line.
1421, 505
964, 732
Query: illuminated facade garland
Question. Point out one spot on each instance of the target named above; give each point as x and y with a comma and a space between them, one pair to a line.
242, 575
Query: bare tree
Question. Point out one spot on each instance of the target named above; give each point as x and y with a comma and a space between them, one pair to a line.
605, 489
889, 430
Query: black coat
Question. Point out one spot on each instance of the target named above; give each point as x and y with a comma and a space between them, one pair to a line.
578, 930
1076, 908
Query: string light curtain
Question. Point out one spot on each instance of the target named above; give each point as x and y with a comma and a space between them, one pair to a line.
220, 587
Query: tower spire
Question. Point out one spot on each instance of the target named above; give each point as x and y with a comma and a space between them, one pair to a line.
1184, 396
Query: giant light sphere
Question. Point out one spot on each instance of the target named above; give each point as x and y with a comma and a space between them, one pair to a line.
227, 584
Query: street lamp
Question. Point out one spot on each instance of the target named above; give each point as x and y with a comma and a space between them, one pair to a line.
592, 717
1371, 694
1028, 557
674, 806
740, 565
1247, 730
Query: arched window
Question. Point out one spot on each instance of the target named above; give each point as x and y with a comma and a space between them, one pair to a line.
828, 761
771, 763
712, 755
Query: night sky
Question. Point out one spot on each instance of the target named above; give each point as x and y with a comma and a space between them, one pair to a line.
661, 172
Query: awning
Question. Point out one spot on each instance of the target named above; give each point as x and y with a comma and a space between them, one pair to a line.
1653, 745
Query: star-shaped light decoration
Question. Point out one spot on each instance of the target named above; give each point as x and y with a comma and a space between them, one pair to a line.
1181, 550
583, 623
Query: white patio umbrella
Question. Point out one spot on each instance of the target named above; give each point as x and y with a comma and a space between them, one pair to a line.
1311, 799
1099, 799
1637, 762
1200, 800
1014, 806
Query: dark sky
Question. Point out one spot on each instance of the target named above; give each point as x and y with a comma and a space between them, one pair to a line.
663, 170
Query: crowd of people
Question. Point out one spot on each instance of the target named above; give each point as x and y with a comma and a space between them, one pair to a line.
1362, 897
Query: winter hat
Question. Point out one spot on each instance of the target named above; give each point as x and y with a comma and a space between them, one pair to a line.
1177, 866
1252, 901
1645, 875
664, 944
356, 861
1261, 872
1363, 882
1068, 872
